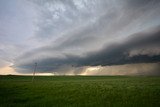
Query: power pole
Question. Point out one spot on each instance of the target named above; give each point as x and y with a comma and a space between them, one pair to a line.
35, 68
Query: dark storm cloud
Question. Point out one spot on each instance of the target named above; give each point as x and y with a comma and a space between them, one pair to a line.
115, 54
119, 53
69, 34
141, 3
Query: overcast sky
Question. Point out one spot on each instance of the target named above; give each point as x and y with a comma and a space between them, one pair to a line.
77, 35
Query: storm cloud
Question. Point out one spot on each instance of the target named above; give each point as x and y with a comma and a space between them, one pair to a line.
145, 44
68, 36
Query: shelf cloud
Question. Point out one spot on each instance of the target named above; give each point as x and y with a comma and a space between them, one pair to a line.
72, 35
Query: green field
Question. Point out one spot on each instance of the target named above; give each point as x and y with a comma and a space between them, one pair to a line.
80, 91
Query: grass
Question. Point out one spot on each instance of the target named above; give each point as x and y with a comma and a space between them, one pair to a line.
80, 91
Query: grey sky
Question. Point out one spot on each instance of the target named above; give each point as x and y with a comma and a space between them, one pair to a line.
60, 33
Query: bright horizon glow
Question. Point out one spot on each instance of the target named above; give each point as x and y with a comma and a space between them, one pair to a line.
134, 69
8, 70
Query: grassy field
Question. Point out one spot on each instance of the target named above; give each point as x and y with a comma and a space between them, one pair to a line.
80, 91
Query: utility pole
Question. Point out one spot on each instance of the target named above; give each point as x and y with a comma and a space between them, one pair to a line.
35, 68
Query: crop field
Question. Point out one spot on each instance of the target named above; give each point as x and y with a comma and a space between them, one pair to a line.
80, 91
